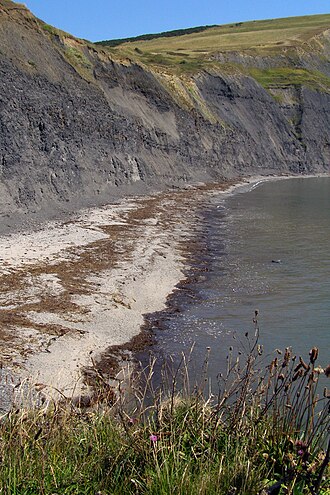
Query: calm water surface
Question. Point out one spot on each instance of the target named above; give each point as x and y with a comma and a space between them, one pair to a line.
286, 220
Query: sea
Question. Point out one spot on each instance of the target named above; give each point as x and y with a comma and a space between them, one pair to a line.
264, 269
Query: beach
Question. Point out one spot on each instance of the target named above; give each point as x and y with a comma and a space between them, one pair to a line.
73, 289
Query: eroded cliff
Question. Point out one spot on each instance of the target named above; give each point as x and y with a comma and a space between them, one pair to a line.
81, 124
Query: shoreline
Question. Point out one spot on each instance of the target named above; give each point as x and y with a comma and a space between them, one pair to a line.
71, 290
76, 291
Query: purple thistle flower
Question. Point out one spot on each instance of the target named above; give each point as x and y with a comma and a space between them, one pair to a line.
153, 438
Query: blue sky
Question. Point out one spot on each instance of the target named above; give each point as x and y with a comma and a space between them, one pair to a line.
107, 19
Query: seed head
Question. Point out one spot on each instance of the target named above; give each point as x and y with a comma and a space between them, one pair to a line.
313, 353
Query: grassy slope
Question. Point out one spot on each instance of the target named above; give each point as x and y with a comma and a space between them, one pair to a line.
176, 59
190, 53
240, 36
145, 37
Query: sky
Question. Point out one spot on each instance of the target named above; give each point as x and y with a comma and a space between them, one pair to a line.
97, 20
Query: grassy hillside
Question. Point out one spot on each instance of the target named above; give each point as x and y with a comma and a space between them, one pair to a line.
238, 48
146, 37
261, 36
189, 53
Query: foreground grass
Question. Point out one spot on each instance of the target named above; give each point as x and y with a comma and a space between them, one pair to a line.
266, 432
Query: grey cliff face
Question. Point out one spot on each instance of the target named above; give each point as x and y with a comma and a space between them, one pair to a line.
67, 141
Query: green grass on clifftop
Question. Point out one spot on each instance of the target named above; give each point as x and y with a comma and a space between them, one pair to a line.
281, 77
285, 43
146, 37
238, 36
257, 37
233, 49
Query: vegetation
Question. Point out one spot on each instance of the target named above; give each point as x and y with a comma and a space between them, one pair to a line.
53, 31
146, 37
267, 431
77, 58
255, 37
185, 52
289, 76
49, 29
238, 36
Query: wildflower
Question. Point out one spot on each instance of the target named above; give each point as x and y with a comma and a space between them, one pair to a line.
153, 438
302, 450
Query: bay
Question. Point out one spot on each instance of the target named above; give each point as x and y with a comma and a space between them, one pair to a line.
268, 248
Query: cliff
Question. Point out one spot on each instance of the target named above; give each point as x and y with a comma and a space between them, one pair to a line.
83, 123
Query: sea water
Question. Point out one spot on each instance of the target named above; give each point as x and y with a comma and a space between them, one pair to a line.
268, 249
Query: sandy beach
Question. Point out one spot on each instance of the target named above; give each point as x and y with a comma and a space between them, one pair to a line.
73, 289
